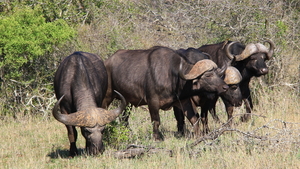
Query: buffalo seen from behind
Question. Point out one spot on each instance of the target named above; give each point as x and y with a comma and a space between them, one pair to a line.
160, 78
207, 100
80, 85
250, 60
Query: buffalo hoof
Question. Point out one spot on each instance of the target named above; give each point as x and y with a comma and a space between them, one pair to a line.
73, 154
179, 134
158, 137
73, 150
245, 118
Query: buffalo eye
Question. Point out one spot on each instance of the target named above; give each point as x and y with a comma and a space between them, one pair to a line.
208, 74
264, 57
233, 87
86, 130
252, 57
195, 81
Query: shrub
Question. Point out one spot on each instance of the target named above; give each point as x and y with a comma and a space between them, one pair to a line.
25, 37
26, 42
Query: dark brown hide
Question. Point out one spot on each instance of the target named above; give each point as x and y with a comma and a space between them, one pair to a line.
80, 83
250, 63
151, 77
205, 100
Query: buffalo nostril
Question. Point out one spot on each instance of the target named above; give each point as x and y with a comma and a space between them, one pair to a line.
264, 70
225, 87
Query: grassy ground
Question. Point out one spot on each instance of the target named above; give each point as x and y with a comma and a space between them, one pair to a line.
37, 143
269, 140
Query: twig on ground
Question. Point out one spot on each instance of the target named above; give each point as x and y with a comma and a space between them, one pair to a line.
134, 151
217, 133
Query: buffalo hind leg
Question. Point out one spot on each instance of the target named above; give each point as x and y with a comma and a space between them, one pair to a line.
155, 119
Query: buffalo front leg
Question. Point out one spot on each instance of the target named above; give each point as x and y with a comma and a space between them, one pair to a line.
214, 115
229, 110
204, 120
211, 106
248, 106
180, 120
248, 103
72, 135
189, 109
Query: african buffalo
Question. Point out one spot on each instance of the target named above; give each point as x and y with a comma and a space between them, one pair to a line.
250, 61
160, 78
80, 85
207, 100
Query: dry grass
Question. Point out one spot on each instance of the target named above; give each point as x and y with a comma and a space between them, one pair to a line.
34, 142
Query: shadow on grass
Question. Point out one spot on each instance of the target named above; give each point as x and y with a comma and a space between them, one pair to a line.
165, 132
63, 153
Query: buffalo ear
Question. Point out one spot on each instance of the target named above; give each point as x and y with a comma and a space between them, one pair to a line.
196, 84
232, 62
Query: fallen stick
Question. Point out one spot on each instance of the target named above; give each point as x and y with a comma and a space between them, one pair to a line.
135, 151
217, 133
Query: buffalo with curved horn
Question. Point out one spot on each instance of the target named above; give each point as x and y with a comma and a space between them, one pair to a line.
160, 78
250, 61
207, 100
80, 84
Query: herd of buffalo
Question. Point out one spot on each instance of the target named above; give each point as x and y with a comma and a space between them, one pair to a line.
159, 77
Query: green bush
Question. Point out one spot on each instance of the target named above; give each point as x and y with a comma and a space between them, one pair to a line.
26, 36
115, 134
26, 64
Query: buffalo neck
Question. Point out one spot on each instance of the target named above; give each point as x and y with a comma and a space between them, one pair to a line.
246, 74
187, 88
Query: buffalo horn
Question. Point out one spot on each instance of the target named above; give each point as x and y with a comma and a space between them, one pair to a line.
271, 50
251, 49
248, 51
111, 115
228, 53
232, 76
261, 48
221, 71
89, 117
198, 69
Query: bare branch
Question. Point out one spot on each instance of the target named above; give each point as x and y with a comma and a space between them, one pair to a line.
279, 137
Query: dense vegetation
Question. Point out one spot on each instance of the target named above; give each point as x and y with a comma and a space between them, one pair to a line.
36, 35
